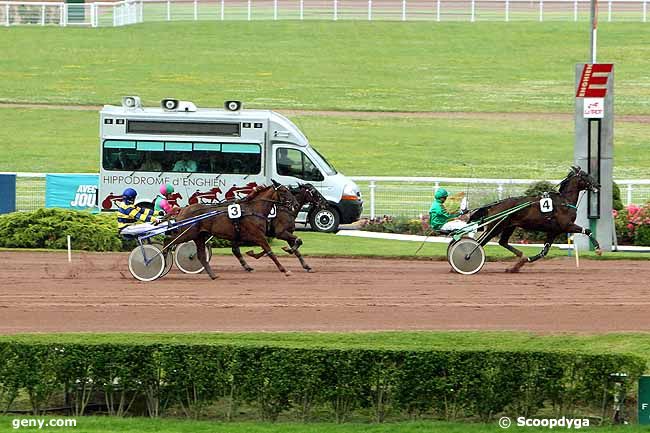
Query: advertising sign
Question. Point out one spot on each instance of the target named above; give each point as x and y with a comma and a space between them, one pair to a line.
644, 400
593, 108
71, 191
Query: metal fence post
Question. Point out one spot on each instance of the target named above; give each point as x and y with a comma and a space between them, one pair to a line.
541, 10
403, 10
473, 10
275, 10
507, 10
7, 14
609, 11
302, 10
223, 7
336, 10
65, 14
575, 10
196, 10
372, 187
369, 10
645, 10
629, 194
438, 10
169, 10
142, 11
42, 15
500, 191
249, 10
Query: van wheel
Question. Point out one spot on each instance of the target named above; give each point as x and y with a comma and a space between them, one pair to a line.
325, 220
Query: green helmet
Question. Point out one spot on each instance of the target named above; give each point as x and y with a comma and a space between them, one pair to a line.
441, 193
166, 189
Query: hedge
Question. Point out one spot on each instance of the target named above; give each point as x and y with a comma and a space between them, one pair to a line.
164, 379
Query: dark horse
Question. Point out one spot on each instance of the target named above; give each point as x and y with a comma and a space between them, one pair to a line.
248, 229
559, 220
284, 224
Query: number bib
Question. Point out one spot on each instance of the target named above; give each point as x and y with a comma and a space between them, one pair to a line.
546, 205
234, 211
273, 213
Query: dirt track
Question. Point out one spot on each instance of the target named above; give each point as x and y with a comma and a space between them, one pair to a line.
41, 292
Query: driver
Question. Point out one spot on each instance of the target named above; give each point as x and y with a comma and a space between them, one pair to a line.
128, 214
166, 195
439, 218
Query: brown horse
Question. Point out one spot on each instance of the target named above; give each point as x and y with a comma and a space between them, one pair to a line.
249, 228
559, 220
284, 223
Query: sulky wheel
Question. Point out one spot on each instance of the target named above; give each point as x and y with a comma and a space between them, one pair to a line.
466, 256
146, 262
169, 258
187, 260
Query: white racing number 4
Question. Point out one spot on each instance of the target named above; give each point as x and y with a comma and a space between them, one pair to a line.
546, 205
234, 211
273, 213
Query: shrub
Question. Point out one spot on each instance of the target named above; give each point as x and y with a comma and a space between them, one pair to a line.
538, 188
617, 203
400, 225
49, 228
633, 225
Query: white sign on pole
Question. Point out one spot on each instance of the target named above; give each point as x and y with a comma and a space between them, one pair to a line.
593, 108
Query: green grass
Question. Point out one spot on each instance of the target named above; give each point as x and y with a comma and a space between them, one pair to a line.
419, 66
54, 140
319, 244
92, 424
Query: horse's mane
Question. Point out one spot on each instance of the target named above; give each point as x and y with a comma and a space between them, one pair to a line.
255, 192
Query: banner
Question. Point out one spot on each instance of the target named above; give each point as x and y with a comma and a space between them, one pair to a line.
8, 193
78, 191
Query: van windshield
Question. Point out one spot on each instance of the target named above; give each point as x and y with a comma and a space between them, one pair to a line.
327, 167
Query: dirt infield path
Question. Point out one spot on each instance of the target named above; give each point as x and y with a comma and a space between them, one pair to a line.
639, 118
41, 292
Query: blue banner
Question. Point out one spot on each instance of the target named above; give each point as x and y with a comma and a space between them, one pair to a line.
8, 193
71, 191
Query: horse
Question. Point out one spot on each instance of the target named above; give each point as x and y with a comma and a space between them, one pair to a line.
284, 223
249, 228
559, 220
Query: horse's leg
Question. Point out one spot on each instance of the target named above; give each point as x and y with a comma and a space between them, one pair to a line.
294, 243
503, 241
237, 253
574, 228
200, 253
550, 237
267, 250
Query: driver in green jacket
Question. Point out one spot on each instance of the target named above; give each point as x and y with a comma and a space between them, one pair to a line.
438, 215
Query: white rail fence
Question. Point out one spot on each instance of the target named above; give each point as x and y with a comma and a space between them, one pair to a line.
102, 14
395, 196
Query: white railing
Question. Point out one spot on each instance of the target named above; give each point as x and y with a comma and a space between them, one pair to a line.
396, 196
102, 14
412, 196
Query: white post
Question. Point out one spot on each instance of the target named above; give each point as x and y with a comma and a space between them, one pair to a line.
507, 10
302, 9
223, 7
609, 11
403, 10
249, 10
7, 14
142, 11
275, 10
369, 10
645, 10
541, 10
372, 187
65, 14
438, 10
69, 250
629, 194
93, 15
500, 191
42, 15
336, 10
196, 10
473, 10
169, 10
575, 10
114, 15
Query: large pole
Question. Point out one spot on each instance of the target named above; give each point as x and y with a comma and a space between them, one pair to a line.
594, 29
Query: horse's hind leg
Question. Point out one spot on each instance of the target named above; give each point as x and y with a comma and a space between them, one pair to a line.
574, 228
503, 241
267, 250
237, 253
200, 253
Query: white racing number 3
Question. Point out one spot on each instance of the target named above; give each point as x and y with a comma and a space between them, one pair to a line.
234, 211
546, 205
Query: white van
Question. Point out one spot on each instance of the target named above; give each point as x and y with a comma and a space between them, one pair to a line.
212, 155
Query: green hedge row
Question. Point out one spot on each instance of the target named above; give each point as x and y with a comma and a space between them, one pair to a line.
168, 378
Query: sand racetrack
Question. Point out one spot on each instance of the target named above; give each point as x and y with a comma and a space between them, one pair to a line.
41, 292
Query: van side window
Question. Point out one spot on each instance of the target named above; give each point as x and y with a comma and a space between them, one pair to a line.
292, 162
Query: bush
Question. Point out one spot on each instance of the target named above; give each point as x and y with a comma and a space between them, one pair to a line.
538, 188
49, 228
617, 203
399, 225
633, 225
448, 384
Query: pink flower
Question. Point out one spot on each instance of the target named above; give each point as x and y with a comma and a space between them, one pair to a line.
615, 213
630, 226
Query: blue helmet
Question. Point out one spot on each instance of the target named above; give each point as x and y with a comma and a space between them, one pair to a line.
129, 195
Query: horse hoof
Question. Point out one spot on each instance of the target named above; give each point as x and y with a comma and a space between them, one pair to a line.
287, 274
250, 253
309, 270
599, 252
214, 277
249, 269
